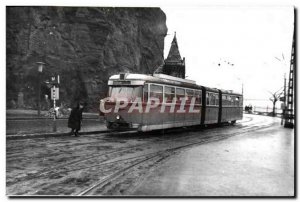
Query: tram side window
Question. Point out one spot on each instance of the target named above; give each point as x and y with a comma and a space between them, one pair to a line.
145, 90
237, 101
156, 91
189, 94
228, 100
180, 92
225, 103
213, 99
224, 100
209, 99
198, 95
217, 99
169, 94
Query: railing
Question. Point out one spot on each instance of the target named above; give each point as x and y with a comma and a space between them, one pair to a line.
266, 111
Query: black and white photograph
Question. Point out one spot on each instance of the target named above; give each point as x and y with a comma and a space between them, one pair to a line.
163, 101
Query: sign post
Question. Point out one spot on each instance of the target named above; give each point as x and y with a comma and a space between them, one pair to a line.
54, 97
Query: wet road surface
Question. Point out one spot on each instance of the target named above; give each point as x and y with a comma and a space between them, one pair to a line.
255, 158
259, 163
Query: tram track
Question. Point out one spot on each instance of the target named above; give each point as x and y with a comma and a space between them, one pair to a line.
63, 166
120, 150
163, 140
108, 179
15, 155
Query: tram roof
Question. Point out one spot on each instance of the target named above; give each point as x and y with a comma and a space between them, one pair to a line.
166, 79
156, 78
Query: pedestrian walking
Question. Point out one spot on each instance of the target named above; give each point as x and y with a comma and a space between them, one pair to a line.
75, 119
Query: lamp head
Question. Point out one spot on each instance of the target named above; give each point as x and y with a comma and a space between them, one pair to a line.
40, 66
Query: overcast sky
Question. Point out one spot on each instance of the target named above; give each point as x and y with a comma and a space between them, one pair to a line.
249, 37
251, 44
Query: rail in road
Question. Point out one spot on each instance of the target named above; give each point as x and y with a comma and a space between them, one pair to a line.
93, 156
107, 169
157, 156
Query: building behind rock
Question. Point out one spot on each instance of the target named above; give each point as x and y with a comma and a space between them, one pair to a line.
173, 64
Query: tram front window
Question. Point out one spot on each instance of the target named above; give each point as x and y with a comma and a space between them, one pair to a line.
130, 93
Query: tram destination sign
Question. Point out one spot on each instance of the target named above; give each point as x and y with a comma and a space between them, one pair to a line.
122, 82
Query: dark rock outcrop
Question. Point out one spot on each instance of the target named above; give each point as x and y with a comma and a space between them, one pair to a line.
83, 45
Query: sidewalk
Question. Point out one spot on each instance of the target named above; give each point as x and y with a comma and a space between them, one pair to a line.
14, 114
26, 124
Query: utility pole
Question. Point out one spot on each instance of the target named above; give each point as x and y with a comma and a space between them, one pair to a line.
243, 89
289, 113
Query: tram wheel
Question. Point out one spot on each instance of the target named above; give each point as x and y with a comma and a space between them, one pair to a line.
114, 125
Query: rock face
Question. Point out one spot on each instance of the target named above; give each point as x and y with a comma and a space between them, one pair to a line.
83, 45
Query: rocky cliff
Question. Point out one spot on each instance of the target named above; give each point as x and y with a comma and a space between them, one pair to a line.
83, 45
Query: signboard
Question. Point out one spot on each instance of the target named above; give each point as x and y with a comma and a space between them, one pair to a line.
54, 93
121, 82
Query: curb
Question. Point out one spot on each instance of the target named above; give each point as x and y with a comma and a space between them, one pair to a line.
42, 118
44, 135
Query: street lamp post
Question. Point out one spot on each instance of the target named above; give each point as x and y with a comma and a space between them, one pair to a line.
40, 70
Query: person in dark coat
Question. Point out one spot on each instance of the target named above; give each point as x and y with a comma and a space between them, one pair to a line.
75, 119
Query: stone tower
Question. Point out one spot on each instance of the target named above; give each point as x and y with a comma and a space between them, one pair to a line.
174, 65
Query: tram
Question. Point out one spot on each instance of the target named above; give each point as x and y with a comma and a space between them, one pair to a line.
154, 102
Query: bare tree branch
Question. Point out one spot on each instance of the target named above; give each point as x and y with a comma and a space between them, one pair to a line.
275, 97
278, 59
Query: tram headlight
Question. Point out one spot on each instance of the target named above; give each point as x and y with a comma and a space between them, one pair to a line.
118, 117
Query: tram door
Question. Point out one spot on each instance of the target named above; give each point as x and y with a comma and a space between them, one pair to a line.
179, 116
167, 110
152, 116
